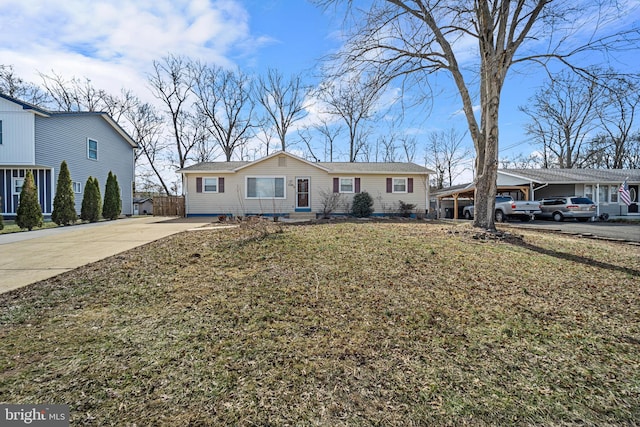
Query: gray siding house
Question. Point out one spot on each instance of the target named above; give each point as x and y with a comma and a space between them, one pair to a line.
32, 138
600, 185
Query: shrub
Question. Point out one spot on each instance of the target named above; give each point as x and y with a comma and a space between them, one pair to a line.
64, 202
29, 213
362, 206
329, 201
112, 206
91, 201
406, 209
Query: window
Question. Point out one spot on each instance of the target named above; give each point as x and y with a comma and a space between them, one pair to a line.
77, 187
210, 185
0, 132
92, 149
588, 191
346, 185
17, 185
265, 187
399, 185
614, 193
603, 194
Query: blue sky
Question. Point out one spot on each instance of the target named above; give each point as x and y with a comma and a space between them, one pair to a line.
113, 42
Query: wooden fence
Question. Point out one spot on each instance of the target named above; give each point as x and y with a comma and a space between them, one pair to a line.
168, 206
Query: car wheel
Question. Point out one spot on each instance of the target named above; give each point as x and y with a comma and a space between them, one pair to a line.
557, 216
467, 215
499, 216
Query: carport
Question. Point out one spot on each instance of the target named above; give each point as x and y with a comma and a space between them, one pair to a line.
467, 192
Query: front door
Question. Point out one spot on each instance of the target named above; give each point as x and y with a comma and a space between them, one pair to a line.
302, 193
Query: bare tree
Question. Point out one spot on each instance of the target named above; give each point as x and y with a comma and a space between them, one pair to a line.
171, 83
620, 105
412, 39
73, 95
282, 100
16, 87
389, 147
445, 153
329, 133
353, 99
224, 99
306, 138
146, 129
563, 116
521, 161
409, 147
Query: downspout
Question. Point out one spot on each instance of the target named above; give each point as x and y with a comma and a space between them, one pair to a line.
185, 193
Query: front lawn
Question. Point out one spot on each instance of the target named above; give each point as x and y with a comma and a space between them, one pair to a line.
409, 323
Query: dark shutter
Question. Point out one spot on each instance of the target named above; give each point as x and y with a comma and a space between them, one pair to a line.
198, 185
357, 185
410, 185
221, 185
389, 185
336, 185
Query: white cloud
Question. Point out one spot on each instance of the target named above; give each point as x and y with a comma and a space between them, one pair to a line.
113, 43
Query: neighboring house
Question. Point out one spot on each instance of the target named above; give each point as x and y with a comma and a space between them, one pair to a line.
600, 185
32, 138
282, 184
142, 206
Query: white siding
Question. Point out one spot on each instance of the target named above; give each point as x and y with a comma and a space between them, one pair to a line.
234, 201
18, 135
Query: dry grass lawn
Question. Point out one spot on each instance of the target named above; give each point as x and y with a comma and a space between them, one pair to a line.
347, 323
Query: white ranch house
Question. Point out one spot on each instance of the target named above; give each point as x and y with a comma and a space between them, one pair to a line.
285, 185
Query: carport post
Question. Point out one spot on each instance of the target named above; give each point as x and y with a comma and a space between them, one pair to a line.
455, 206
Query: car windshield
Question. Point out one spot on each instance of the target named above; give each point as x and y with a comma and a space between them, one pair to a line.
581, 201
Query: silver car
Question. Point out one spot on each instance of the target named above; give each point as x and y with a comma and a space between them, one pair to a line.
559, 208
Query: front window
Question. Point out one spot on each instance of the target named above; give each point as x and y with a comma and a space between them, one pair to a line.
399, 185
17, 185
588, 191
77, 187
603, 193
265, 187
0, 132
210, 185
92, 149
613, 193
346, 185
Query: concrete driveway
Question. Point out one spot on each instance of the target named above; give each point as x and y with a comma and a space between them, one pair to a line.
37, 255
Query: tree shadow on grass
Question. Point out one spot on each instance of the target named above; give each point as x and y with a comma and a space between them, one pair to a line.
574, 258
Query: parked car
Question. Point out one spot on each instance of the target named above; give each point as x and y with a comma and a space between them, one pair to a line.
559, 208
507, 208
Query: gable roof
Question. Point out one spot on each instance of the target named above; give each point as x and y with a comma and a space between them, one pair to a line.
45, 113
329, 167
573, 176
26, 105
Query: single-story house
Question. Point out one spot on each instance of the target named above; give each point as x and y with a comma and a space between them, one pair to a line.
285, 185
600, 185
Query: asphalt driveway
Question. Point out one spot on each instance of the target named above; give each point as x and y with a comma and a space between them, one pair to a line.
37, 255
629, 232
